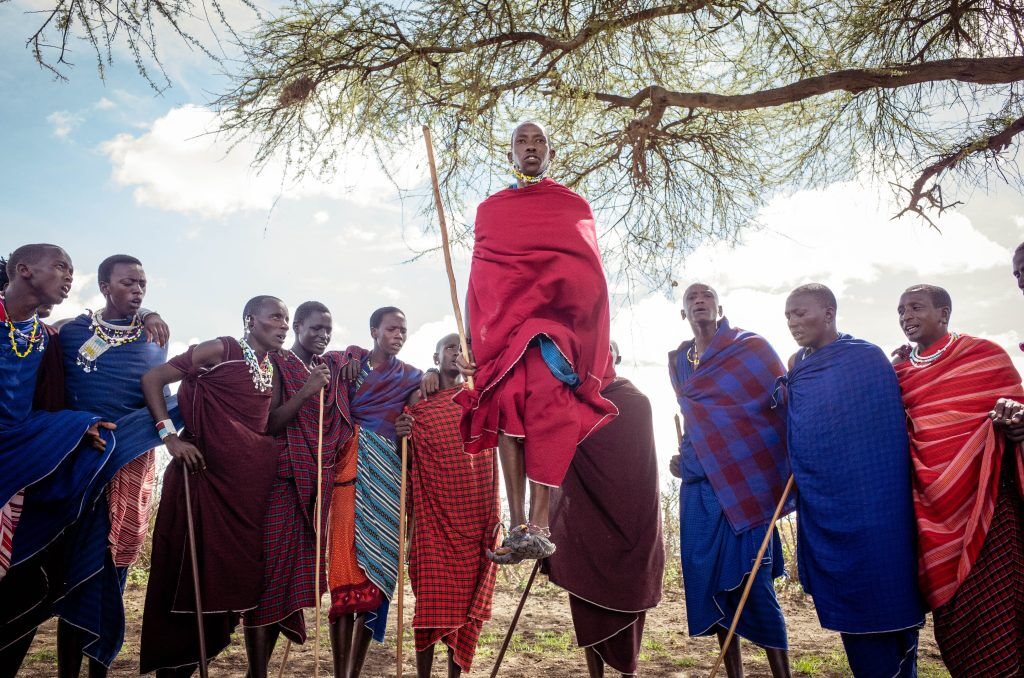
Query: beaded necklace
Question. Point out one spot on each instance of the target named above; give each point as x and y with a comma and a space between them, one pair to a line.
105, 336
14, 334
526, 178
262, 373
113, 334
917, 360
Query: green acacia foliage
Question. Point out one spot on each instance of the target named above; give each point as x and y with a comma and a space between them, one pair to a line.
677, 120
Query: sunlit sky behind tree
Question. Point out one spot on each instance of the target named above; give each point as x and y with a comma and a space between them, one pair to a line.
102, 167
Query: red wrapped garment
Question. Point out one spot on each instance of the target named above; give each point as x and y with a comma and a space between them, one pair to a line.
129, 497
226, 418
536, 271
957, 454
289, 541
455, 510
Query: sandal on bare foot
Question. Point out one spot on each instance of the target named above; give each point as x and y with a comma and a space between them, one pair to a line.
524, 542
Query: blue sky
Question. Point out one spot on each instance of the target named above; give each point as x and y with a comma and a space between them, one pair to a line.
109, 166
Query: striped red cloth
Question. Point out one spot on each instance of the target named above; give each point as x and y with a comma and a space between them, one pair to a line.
10, 513
289, 540
455, 511
957, 455
130, 500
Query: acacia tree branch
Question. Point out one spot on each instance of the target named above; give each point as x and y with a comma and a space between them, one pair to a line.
926, 188
980, 71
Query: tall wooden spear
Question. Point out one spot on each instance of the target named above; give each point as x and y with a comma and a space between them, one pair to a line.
447, 251
316, 530
195, 577
750, 579
401, 557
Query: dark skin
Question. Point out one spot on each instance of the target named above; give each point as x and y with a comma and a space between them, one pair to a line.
47, 282
312, 335
926, 325
311, 338
350, 639
1018, 269
447, 376
266, 331
812, 323
701, 309
124, 293
531, 152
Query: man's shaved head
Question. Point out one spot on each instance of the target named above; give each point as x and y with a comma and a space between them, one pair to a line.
515, 130
255, 305
445, 341
700, 285
28, 254
940, 297
820, 292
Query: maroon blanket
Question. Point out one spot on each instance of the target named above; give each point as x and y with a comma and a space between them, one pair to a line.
536, 270
608, 511
225, 417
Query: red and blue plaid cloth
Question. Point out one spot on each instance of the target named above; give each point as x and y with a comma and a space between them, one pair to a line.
739, 439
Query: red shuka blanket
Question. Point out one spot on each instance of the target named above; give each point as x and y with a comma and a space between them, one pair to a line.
536, 270
957, 454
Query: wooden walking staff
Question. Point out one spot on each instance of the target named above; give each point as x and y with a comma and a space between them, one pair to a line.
447, 251
679, 431
195, 576
515, 620
319, 512
401, 557
750, 579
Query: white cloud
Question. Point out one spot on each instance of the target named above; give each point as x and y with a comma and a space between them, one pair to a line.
104, 104
64, 122
321, 217
419, 347
179, 163
840, 235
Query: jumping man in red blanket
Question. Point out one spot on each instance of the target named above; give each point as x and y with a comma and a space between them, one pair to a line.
224, 397
364, 507
967, 487
537, 313
289, 540
455, 505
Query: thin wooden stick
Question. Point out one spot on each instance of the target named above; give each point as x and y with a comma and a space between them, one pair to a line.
750, 579
515, 620
679, 431
401, 557
316, 530
284, 659
195, 576
447, 251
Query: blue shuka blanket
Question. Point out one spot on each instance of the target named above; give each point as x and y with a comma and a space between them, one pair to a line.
850, 455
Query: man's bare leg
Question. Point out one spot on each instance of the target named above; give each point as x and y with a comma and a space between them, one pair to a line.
595, 665
513, 468
259, 645
733, 659
778, 661
540, 503
341, 643
454, 670
361, 637
424, 662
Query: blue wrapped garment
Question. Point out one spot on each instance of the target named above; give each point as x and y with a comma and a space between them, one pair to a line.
112, 389
850, 455
715, 559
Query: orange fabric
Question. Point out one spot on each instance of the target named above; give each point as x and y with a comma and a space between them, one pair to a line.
344, 570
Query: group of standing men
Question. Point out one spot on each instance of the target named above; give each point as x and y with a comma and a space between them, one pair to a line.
907, 476
236, 529
908, 479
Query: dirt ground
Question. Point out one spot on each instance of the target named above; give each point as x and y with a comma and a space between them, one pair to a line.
543, 645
